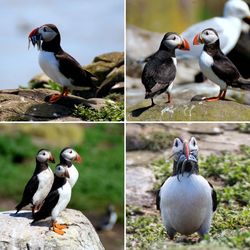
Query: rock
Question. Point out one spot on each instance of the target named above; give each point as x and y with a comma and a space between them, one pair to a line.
17, 233
32, 105
192, 111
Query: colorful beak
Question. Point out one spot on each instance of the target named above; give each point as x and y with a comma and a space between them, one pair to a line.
78, 158
184, 45
186, 150
52, 159
197, 39
34, 32
66, 174
247, 20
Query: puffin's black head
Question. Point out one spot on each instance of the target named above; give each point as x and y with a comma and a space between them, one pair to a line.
44, 156
45, 33
207, 37
68, 154
185, 156
172, 41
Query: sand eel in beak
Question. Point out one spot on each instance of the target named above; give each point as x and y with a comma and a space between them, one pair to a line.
57, 64
216, 66
186, 199
67, 156
39, 184
160, 70
57, 200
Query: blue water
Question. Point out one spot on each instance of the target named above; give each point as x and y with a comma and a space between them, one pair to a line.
88, 28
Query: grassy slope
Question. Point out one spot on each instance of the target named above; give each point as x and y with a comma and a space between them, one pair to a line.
231, 224
101, 173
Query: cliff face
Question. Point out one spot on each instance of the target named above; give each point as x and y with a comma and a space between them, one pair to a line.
17, 233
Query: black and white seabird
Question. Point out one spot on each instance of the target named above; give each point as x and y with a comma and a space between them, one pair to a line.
40, 183
68, 155
57, 199
109, 219
186, 200
216, 66
160, 70
56, 63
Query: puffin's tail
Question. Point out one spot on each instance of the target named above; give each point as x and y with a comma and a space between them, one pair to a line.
242, 83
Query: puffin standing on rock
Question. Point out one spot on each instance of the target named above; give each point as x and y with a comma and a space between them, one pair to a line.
68, 155
39, 184
160, 70
57, 199
186, 199
216, 66
57, 64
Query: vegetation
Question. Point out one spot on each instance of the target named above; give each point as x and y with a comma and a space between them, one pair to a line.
101, 172
230, 175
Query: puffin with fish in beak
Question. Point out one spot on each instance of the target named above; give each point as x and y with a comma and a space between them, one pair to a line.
186, 200
57, 64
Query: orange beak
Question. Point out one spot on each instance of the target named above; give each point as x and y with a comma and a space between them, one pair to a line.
184, 45
247, 20
66, 174
78, 158
52, 159
197, 39
186, 150
33, 32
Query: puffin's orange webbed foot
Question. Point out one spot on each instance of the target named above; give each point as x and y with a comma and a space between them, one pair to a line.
212, 99
61, 226
54, 98
56, 229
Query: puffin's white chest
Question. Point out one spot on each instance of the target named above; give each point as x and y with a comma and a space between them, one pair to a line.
64, 199
186, 204
50, 66
206, 62
73, 174
45, 179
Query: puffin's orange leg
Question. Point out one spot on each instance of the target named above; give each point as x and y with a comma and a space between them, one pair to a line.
57, 230
57, 97
212, 99
169, 97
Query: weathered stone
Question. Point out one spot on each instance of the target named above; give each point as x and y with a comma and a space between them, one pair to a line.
192, 111
116, 57
17, 233
31, 104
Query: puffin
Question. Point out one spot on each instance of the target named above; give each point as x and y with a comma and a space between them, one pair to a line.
216, 66
109, 219
40, 183
160, 70
68, 155
57, 64
56, 201
229, 27
186, 200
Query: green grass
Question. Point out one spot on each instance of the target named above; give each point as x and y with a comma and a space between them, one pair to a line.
101, 172
231, 221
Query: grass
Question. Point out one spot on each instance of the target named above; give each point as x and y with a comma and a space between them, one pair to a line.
101, 173
231, 222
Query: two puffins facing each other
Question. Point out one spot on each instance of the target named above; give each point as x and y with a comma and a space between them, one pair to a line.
186, 200
49, 193
160, 69
57, 64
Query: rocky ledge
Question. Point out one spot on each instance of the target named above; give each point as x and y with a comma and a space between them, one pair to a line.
193, 111
17, 233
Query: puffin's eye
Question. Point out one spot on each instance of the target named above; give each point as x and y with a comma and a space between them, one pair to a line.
44, 153
176, 144
174, 38
70, 152
44, 29
206, 33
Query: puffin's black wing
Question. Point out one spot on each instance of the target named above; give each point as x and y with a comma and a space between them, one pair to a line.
28, 193
158, 199
49, 203
73, 70
225, 69
158, 75
214, 197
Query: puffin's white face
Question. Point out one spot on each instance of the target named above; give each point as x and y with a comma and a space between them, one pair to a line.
71, 155
177, 148
208, 36
236, 8
47, 33
61, 171
172, 41
44, 156
193, 147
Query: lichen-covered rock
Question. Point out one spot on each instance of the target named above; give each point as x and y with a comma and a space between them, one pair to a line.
32, 105
17, 233
192, 111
